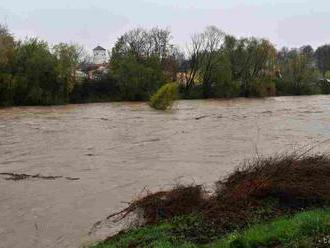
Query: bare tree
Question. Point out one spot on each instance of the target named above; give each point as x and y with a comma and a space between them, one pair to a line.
203, 53
195, 52
7, 45
160, 41
145, 43
322, 55
213, 38
136, 42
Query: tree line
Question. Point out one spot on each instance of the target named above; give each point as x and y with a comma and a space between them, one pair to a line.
214, 64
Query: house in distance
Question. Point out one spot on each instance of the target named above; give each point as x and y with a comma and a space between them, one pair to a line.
96, 68
99, 55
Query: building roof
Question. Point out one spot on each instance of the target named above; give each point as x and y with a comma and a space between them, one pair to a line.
99, 48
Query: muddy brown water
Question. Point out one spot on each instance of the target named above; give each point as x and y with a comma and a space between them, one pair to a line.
117, 149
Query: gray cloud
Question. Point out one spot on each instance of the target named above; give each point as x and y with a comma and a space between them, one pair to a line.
284, 22
86, 26
305, 29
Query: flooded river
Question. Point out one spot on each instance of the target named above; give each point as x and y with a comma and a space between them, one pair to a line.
117, 149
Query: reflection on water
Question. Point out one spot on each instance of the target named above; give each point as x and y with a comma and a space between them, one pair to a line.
116, 149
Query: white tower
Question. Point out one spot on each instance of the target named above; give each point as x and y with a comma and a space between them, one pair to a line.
99, 55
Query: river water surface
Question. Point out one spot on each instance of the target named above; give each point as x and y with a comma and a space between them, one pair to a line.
117, 149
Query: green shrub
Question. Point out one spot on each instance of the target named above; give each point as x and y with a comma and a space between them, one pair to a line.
163, 99
227, 89
262, 87
324, 86
195, 92
327, 74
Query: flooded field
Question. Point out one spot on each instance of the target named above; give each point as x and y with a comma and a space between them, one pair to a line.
102, 155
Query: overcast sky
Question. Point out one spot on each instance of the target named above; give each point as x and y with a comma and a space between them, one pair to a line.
290, 23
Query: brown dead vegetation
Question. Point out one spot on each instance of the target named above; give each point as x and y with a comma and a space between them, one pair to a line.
288, 178
291, 183
181, 200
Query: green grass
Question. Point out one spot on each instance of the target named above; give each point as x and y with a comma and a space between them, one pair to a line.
154, 236
292, 232
296, 231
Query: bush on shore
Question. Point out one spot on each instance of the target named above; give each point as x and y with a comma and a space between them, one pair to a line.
164, 98
259, 191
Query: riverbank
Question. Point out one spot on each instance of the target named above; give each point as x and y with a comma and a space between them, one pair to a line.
272, 202
306, 229
195, 96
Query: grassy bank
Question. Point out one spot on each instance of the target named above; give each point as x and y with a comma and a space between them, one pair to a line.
272, 202
306, 229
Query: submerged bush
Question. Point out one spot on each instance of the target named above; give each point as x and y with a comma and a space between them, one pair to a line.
164, 97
